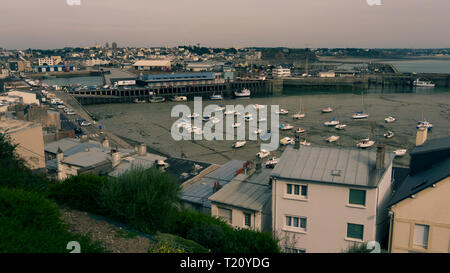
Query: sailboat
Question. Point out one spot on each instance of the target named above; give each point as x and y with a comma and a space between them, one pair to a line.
389, 134
300, 114
365, 143
239, 144
215, 96
361, 115
424, 124
327, 110
333, 122
332, 139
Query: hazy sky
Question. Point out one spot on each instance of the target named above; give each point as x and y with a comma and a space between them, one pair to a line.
225, 23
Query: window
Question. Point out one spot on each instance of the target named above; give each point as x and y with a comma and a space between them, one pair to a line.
296, 222
421, 235
299, 190
357, 197
295, 250
225, 214
247, 219
355, 231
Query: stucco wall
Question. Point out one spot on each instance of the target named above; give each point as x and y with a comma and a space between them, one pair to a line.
31, 146
327, 212
429, 207
237, 216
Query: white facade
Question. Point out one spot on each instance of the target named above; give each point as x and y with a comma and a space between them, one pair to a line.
53, 60
242, 218
325, 213
280, 72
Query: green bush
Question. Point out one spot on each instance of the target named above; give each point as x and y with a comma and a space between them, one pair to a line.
31, 224
79, 192
169, 243
143, 199
14, 173
220, 237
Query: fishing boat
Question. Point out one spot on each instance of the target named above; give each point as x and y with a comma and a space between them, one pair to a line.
365, 143
419, 83
216, 97
285, 127
400, 152
389, 119
272, 162
389, 134
287, 141
332, 122
193, 115
239, 144
157, 99
340, 126
243, 93
327, 110
300, 130
179, 98
282, 112
332, 138
262, 154
236, 124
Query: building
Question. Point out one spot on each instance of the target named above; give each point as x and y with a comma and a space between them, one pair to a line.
328, 199
329, 74
195, 192
22, 97
68, 157
246, 201
28, 136
176, 79
203, 66
52, 60
53, 68
420, 208
152, 65
281, 72
19, 66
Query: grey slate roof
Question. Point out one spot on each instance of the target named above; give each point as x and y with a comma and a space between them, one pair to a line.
248, 192
420, 181
199, 191
432, 146
322, 164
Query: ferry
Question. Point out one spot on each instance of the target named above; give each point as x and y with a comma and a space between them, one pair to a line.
419, 83
244, 93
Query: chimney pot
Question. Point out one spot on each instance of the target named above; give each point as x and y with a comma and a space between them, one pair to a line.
421, 137
381, 149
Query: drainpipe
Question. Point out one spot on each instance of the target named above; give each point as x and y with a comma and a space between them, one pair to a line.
391, 230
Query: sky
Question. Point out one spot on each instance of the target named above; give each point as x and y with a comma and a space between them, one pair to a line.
49, 24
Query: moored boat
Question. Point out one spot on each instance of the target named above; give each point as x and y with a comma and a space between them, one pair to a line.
333, 138
243, 93
239, 144
365, 143
157, 99
263, 153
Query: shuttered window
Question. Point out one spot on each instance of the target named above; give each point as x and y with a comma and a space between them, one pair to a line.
421, 235
355, 231
357, 197
225, 214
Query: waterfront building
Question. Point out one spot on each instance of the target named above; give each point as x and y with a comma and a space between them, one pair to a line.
176, 79
53, 68
281, 72
246, 201
52, 60
163, 64
329, 199
420, 208
19, 65
29, 139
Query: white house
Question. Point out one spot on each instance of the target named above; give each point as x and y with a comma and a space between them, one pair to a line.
327, 199
281, 72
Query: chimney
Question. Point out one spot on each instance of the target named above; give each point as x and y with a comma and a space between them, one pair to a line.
115, 158
105, 142
142, 149
297, 142
59, 155
381, 150
421, 136
84, 138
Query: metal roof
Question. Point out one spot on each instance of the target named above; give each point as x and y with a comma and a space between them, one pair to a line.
199, 191
331, 165
248, 192
178, 76
420, 181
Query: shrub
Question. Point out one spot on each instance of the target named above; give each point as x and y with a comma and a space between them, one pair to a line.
169, 243
31, 224
219, 240
14, 173
79, 192
250, 241
143, 199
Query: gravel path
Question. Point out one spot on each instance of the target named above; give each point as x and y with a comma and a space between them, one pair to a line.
113, 238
